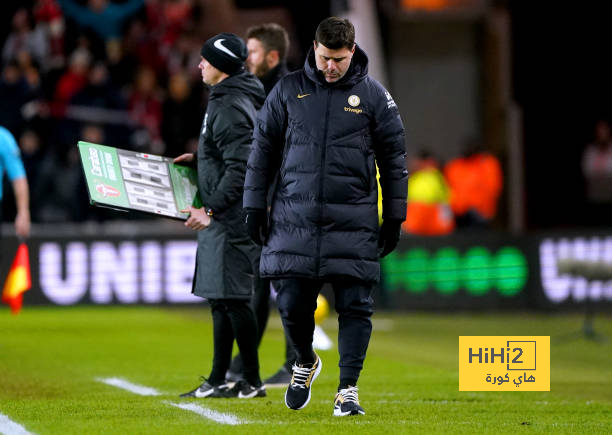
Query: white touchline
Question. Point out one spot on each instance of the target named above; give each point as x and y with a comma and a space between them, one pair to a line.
9, 427
219, 417
127, 385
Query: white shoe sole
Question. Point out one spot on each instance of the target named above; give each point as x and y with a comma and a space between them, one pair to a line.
316, 374
339, 413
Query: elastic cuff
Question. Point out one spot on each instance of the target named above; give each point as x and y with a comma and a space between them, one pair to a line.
348, 382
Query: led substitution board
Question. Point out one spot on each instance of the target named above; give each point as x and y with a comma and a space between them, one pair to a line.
128, 180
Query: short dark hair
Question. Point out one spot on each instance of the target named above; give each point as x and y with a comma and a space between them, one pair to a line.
335, 33
272, 36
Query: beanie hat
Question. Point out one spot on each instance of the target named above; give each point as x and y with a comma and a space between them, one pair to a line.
226, 52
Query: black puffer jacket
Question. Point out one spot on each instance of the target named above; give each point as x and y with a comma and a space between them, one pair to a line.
325, 140
225, 141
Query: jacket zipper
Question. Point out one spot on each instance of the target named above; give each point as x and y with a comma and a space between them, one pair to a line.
321, 202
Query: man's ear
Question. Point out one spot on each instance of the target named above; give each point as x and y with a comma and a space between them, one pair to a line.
353, 49
314, 43
272, 58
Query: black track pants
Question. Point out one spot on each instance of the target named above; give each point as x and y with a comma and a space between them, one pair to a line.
297, 301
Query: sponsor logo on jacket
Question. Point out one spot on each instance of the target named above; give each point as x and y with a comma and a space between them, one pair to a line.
351, 109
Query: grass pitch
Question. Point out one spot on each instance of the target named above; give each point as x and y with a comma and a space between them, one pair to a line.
50, 358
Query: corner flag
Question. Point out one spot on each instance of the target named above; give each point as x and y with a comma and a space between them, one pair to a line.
18, 279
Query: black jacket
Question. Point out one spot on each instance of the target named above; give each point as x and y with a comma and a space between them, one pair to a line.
226, 255
325, 140
223, 148
273, 76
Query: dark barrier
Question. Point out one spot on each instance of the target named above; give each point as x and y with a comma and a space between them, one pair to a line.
153, 262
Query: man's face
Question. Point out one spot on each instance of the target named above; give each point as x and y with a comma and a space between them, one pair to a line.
333, 63
210, 75
256, 60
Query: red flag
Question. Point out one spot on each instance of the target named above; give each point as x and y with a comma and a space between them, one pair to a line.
18, 279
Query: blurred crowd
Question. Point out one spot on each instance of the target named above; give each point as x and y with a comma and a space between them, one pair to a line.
117, 73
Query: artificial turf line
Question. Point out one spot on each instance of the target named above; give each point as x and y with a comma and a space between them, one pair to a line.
127, 385
218, 417
9, 427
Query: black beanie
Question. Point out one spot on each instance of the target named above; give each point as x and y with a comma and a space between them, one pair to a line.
226, 52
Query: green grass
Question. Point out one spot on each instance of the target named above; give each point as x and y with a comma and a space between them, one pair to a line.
49, 358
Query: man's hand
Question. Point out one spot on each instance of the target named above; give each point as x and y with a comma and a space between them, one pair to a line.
257, 225
22, 200
184, 158
22, 224
388, 236
198, 219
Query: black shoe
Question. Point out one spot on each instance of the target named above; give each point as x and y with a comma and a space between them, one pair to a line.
281, 378
298, 392
231, 376
346, 402
244, 390
207, 390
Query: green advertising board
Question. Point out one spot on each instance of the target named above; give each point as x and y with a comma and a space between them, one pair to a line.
128, 180
478, 270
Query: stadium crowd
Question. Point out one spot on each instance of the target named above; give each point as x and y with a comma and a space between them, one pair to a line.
123, 76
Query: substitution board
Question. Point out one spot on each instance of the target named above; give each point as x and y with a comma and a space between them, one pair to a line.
128, 180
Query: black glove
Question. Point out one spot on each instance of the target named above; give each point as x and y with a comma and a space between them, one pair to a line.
257, 225
388, 236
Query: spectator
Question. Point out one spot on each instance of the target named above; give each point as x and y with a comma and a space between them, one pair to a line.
49, 17
138, 49
25, 38
182, 115
184, 53
14, 93
101, 101
145, 108
597, 165
105, 18
167, 21
72, 81
475, 181
428, 212
29, 71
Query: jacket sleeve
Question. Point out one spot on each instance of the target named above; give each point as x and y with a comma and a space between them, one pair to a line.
232, 133
390, 150
266, 150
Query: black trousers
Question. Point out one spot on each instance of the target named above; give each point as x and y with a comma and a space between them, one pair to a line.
297, 302
234, 319
261, 307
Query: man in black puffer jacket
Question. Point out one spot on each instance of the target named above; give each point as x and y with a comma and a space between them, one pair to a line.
324, 129
227, 259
